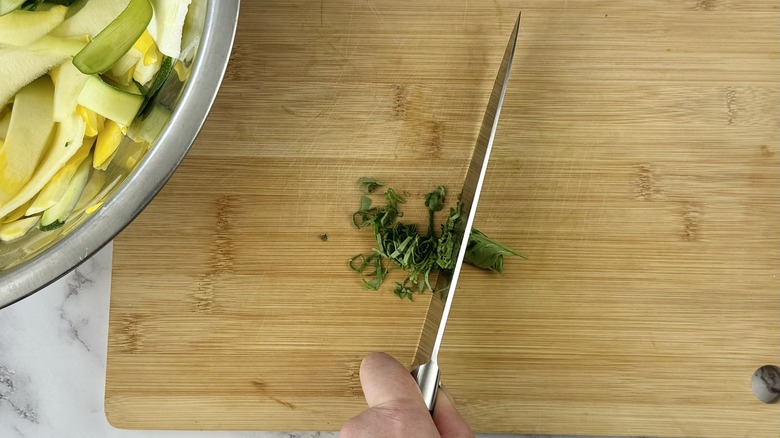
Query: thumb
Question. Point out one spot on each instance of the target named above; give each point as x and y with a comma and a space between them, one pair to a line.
395, 404
385, 380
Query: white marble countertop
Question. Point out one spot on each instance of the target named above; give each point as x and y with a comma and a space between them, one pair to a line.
53, 361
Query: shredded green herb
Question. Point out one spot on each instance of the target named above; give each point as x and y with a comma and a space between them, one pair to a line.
370, 268
369, 184
485, 253
400, 245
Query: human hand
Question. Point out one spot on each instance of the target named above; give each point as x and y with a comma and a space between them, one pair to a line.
396, 408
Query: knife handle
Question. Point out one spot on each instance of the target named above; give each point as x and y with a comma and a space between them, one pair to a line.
427, 378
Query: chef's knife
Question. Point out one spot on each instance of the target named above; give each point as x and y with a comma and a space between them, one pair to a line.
427, 374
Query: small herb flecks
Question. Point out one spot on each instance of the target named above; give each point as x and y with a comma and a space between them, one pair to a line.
324, 237
418, 255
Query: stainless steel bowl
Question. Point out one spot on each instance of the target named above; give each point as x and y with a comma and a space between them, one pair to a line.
41, 258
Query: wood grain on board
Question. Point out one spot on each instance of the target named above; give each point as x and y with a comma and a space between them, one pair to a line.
636, 165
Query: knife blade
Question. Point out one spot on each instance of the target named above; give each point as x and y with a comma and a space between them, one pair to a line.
427, 375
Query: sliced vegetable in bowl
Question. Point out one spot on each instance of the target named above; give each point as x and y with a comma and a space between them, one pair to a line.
74, 76
127, 164
22, 28
116, 39
134, 170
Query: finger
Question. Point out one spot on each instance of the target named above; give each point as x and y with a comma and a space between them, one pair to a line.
448, 419
399, 421
385, 380
369, 424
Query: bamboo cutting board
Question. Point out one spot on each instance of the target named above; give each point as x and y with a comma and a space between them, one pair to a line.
636, 164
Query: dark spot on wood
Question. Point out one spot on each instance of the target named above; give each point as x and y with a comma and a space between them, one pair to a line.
731, 105
131, 333
287, 110
705, 5
400, 101
435, 141
324, 237
236, 65
765, 151
203, 299
223, 243
692, 216
283, 403
259, 384
353, 386
645, 184
221, 257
